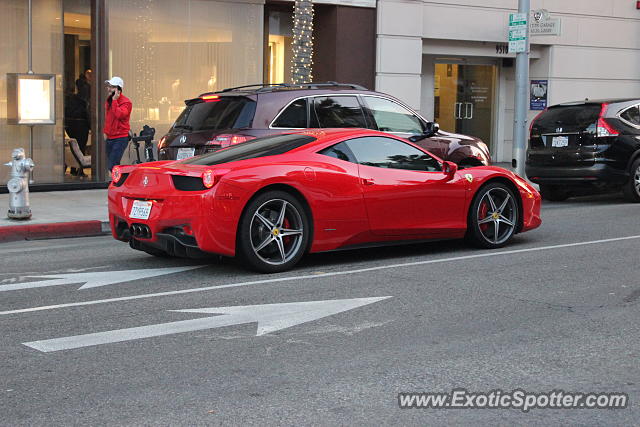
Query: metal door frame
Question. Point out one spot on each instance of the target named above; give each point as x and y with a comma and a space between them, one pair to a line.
493, 148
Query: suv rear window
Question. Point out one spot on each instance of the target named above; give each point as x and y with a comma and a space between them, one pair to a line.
261, 147
569, 118
231, 112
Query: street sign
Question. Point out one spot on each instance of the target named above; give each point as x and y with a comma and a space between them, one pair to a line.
543, 25
517, 32
270, 318
95, 279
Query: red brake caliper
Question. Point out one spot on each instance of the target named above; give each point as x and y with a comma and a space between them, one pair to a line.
285, 224
484, 209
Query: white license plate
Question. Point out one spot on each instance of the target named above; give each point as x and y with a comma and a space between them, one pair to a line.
560, 141
140, 209
185, 153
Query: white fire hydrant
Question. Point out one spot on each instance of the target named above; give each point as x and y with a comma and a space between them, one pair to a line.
18, 185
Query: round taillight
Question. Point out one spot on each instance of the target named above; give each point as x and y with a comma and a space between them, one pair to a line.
163, 140
208, 178
116, 174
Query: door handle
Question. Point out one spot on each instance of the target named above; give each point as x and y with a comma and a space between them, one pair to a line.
367, 181
468, 110
458, 110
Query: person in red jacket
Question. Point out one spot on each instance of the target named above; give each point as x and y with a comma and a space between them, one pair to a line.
116, 123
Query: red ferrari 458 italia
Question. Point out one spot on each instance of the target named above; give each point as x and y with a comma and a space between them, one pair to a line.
271, 200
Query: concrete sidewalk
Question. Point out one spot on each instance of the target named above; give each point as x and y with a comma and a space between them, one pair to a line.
58, 214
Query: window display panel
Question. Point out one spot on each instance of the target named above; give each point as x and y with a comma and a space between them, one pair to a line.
47, 59
168, 51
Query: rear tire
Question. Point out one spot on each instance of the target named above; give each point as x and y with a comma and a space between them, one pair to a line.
631, 189
493, 216
553, 193
274, 232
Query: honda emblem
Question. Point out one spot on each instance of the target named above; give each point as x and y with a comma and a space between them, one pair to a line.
558, 130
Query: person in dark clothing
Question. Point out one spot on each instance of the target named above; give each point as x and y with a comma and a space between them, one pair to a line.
76, 119
84, 85
76, 122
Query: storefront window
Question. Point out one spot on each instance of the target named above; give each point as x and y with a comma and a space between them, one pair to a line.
279, 46
168, 51
47, 59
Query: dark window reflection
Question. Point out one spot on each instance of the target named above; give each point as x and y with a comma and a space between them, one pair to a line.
339, 151
390, 153
338, 112
295, 116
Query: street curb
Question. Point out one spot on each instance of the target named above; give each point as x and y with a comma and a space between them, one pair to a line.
55, 230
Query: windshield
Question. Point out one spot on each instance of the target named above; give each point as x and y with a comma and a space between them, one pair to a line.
261, 147
225, 113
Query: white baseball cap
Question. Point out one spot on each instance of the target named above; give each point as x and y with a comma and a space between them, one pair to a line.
115, 81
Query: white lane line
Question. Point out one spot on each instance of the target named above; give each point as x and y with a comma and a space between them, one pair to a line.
70, 246
318, 276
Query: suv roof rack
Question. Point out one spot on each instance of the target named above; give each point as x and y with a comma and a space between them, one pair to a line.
259, 85
270, 87
317, 85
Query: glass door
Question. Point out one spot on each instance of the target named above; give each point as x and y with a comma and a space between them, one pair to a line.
464, 99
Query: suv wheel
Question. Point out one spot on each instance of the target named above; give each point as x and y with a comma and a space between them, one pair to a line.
631, 189
553, 193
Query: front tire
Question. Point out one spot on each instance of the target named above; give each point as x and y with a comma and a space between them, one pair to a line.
274, 232
493, 216
631, 189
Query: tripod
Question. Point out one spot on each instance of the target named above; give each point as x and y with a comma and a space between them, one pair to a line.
146, 134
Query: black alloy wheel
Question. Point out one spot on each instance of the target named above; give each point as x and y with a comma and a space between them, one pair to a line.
274, 232
493, 216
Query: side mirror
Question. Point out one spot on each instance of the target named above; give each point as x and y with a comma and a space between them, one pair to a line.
450, 169
431, 128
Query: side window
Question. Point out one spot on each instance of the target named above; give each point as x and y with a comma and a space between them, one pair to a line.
339, 151
392, 117
631, 115
390, 153
294, 116
338, 112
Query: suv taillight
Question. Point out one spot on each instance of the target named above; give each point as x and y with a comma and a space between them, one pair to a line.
226, 140
602, 127
161, 143
534, 120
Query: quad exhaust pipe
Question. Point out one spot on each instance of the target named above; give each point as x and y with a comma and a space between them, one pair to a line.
140, 230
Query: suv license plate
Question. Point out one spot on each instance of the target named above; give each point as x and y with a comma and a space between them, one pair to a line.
140, 209
185, 153
560, 141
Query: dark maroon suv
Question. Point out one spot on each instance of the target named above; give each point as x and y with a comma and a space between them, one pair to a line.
216, 120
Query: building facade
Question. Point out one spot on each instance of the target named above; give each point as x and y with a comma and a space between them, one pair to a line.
449, 59
166, 51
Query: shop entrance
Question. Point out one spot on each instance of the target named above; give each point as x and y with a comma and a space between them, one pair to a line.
77, 82
464, 99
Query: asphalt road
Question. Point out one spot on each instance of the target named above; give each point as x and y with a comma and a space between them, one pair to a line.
557, 309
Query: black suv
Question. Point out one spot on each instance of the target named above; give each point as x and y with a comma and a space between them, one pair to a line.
218, 119
578, 147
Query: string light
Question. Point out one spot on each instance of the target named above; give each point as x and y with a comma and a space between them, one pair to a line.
302, 46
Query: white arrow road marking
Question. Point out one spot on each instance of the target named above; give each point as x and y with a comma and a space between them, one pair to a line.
95, 278
270, 318
321, 276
